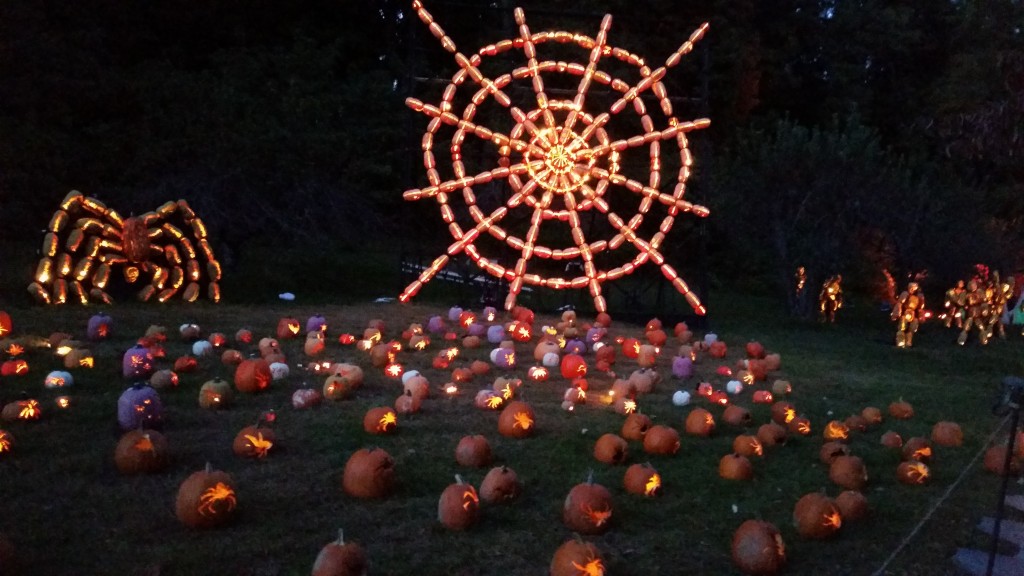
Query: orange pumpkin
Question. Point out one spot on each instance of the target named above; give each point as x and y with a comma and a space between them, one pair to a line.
206, 499
816, 516
588, 508
380, 420
995, 461
848, 472
836, 431
872, 415
253, 441
473, 451
914, 472
611, 449
758, 548
459, 506
901, 410
577, 558
735, 467
500, 485
139, 452
253, 375
783, 412
339, 558
832, 450
661, 439
852, 504
918, 448
369, 473
517, 420
772, 434
635, 426
892, 439
737, 416
947, 434
700, 422
746, 445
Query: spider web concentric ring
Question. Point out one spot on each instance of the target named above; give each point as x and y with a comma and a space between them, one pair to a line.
558, 160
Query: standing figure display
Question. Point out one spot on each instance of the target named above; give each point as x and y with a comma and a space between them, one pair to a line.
956, 302
908, 313
800, 292
831, 298
1002, 293
976, 314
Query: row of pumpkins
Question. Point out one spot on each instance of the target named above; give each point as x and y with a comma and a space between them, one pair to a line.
207, 497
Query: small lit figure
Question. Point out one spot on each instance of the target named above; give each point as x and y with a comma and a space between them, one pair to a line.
956, 302
799, 303
976, 313
831, 298
1001, 294
908, 313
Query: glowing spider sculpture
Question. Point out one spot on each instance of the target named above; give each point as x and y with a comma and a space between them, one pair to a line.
85, 240
558, 158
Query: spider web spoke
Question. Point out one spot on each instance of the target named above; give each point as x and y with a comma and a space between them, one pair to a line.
426, 276
516, 284
481, 132
465, 238
588, 75
588, 258
648, 192
531, 54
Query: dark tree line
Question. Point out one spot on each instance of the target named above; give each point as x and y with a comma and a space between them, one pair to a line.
846, 136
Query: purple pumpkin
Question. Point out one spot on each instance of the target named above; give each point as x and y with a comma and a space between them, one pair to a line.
316, 323
137, 363
139, 407
436, 325
489, 314
595, 334
575, 347
99, 327
682, 367
453, 313
477, 329
504, 358
496, 333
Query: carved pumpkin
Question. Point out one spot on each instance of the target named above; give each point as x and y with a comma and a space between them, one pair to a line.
754, 350
800, 425
162, 379
79, 358
848, 472
287, 328
635, 426
947, 434
407, 403
253, 375
901, 410
852, 504
315, 344
749, 446
914, 472
588, 508
58, 379
499, 485
139, 406
5, 324
836, 431
99, 327
611, 449
737, 416
816, 516
186, 364
717, 349
782, 388
268, 347
917, 448
763, 397
6, 443
661, 439
772, 434
700, 422
14, 367
517, 420
783, 412
369, 473
339, 558
577, 558
206, 499
215, 394
459, 506
253, 441
832, 450
380, 420
337, 387
141, 452
644, 380
856, 423
642, 480
872, 415
189, 332
735, 467
758, 549
473, 451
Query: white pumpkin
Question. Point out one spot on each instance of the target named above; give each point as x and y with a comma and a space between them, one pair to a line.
409, 375
710, 338
681, 398
734, 387
279, 370
202, 348
551, 360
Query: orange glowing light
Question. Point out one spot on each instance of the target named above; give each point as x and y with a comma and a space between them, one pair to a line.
592, 568
63, 401
451, 389
507, 392
387, 421
210, 503
86, 362
597, 517
6, 442
144, 444
922, 453
29, 410
832, 519
346, 339
15, 349
629, 406
917, 472
538, 373
790, 413
64, 350
394, 370
261, 446
523, 420
652, 485
495, 401
470, 499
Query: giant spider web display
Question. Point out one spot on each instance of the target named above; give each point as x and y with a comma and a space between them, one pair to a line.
558, 159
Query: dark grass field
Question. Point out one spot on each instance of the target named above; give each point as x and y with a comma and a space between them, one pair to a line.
68, 511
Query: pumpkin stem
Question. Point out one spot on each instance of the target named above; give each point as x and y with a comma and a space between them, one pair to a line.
341, 537
209, 467
590, 476
458, 479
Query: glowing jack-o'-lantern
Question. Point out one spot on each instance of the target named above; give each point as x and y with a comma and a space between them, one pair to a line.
520, 331
577, 558
517, 420
913, 472
369, 473
762, 397
141, 452
836, 430
206, 499
78, 358
642, 480
783, 412
816, 516
340, 559
215, 394
537, 373
6, 443
253, 441
139, 406
288, 328
58, 379
99, 327
573, 366
24, 410
588, 508
5, 324
758, 548
315, 344
700, 422
137, 363
380, 420
459, 505
253, 375
917, 448
488, 399
14, 367
800, 425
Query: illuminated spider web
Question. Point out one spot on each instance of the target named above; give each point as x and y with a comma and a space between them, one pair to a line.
558, 159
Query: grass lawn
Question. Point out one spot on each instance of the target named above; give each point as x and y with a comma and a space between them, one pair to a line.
68, 510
